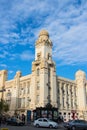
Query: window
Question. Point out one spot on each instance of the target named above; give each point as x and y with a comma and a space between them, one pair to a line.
8, 94
67, 91
28, 101
72, 103
76, 121
8, 97
86, 92
38, 72
28, 90
49, 72
40, 120
63, 101
24, 91
44, 120
28, 87
21, 88
49, 56
24, 85
37, 98
23, 102
60, 113
38, 85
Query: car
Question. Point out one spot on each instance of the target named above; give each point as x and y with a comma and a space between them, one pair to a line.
45, 122
15, 121
76, 125
65, 124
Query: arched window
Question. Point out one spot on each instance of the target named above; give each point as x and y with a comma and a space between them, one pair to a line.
38, 72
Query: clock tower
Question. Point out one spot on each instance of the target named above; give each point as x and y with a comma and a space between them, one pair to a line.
43, 73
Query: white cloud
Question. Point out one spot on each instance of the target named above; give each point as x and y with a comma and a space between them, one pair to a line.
11, 71
71, 46
65, 20
26, 55
3, 65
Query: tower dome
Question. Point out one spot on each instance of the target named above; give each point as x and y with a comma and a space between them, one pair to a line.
80, 75
43, 32
80, 72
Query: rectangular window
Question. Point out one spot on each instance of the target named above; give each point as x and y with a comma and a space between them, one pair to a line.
28, 101
37, 98
24, 91
67, 90
38, 71
24, 86
49, 72
23, 102
63, 101
71, 103
28, 87
38, 85
20, 89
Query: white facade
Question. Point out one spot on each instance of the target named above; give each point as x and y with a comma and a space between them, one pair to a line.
43, 86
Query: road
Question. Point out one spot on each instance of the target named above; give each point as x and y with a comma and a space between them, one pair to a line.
27, 128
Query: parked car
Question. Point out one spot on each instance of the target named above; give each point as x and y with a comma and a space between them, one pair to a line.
15, 121
76, 125
65, 124
45, 122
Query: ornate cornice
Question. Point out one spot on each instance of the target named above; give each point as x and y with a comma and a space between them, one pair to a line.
43, 39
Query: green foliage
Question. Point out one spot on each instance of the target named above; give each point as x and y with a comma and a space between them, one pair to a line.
4, 107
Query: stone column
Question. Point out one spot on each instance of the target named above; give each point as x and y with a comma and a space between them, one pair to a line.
69, 97
61, 99
81, 95
65, 99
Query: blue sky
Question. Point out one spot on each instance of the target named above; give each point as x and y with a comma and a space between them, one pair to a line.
22, 20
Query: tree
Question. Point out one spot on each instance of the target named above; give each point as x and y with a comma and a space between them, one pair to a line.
4, 107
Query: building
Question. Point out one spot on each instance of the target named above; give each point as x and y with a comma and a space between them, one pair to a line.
43, 86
